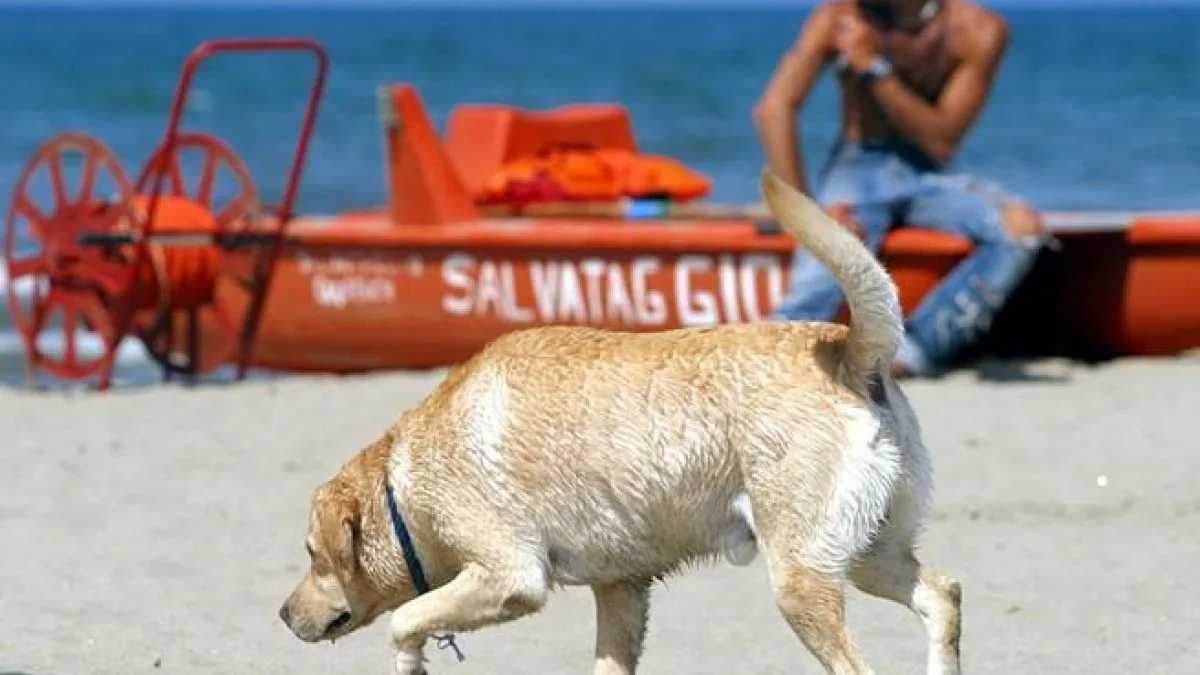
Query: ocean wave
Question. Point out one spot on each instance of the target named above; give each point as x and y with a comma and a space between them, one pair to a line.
87, 345
53, 342
23, 288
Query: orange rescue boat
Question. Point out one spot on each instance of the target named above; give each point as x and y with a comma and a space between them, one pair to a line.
448, 264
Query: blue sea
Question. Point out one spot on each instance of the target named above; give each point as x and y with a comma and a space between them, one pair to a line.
1094, 109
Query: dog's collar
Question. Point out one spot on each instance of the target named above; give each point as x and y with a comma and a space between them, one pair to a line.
415, 569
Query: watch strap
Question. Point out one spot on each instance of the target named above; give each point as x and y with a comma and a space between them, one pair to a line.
878, 69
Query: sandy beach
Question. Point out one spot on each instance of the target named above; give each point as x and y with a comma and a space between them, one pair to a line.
156, 529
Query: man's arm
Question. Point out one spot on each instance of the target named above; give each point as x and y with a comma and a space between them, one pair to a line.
939, 129
786, 91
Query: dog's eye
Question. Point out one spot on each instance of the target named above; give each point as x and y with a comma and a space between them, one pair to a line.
308, 548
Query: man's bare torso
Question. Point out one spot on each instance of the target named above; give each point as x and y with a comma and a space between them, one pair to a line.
924, 60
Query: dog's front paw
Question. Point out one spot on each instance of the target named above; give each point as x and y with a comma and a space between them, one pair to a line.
410, 662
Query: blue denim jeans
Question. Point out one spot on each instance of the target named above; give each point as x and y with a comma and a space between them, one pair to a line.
886, 183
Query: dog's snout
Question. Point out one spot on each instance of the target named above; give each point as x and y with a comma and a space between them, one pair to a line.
338, 621
285, 614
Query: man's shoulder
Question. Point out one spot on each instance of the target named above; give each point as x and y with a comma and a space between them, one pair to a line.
828, 10
822, 19
982, 31
979, 23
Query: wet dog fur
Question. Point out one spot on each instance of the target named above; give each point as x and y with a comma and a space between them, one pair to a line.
577, 456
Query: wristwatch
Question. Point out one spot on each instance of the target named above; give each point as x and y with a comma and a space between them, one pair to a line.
878, 69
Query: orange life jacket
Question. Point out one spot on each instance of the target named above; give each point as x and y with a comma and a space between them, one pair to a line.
583, 174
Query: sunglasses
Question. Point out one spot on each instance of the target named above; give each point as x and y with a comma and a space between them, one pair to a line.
885, 15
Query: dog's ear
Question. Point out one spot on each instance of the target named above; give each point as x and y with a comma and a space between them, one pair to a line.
342, 525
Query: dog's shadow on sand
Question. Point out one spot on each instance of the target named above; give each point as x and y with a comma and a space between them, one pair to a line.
142, 376
1016, 371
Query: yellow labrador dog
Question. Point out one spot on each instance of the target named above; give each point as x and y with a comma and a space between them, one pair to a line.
578, 456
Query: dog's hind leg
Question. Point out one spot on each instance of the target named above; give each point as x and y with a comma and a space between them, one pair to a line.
891, 570
475, 598
813, 602
820, 486
810, 593
622, 611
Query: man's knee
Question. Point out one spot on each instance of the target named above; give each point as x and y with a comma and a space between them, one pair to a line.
1021, 222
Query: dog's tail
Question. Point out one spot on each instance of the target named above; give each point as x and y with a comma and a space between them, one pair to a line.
876, 321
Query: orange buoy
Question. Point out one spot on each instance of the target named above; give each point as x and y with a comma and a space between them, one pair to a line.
177, 278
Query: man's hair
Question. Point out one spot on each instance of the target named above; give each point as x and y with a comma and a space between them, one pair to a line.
887, 14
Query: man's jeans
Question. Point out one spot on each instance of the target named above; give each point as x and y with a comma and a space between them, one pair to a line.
885, 183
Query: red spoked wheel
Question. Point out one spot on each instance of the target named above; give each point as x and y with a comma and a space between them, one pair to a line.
71, 187
193, 323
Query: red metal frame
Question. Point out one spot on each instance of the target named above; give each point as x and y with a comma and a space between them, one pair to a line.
159, 334
81, 281
285, 209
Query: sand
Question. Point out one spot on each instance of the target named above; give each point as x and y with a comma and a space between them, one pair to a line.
158, 529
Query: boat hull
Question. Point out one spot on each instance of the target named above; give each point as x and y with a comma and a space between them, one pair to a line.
355, 295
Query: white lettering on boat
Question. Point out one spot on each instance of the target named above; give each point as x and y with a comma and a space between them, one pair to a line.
338, 282
701, 289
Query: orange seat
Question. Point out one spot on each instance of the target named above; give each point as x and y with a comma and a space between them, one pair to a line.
916, 241
592, 175
480, 139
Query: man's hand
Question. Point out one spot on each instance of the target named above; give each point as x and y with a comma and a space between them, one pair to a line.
856, 41
844, 214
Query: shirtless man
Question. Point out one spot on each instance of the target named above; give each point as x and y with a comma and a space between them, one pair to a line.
913, 76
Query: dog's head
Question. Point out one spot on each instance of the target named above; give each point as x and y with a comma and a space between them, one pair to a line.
342, 590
